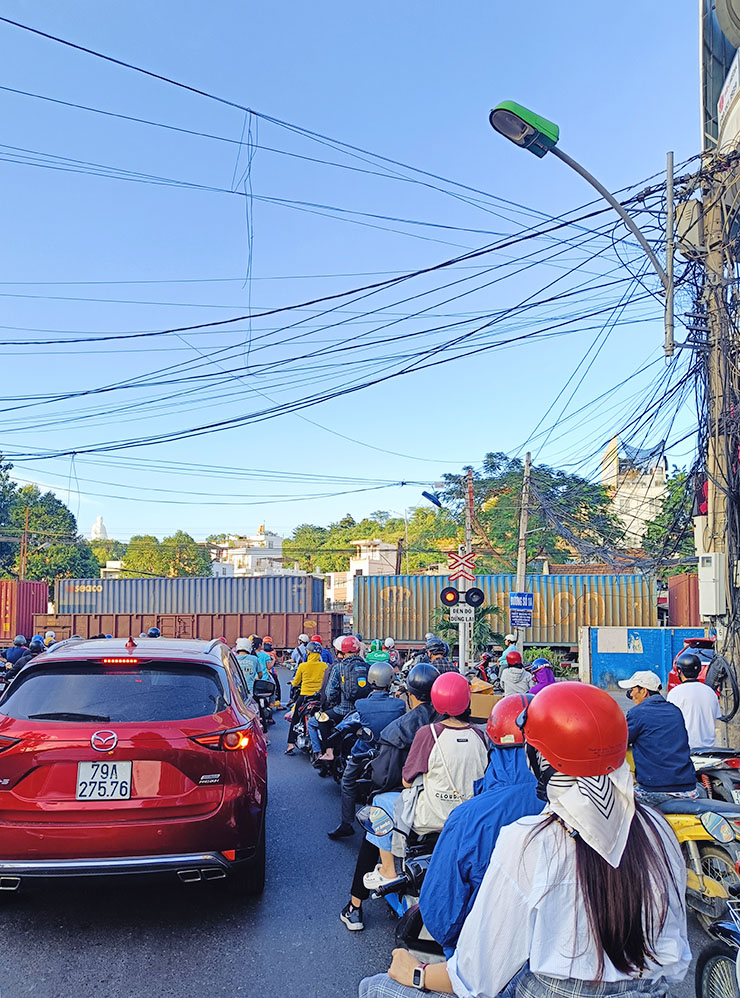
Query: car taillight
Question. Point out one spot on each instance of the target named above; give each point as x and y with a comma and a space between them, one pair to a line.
229, 741
732, 763
6, 743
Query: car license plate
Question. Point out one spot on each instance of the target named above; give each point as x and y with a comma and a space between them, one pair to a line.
736, 796
103, 780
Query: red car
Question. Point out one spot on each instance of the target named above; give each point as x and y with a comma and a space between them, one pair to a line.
132, 757
703, 647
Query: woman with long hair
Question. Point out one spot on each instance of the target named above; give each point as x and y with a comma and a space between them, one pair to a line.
584, 900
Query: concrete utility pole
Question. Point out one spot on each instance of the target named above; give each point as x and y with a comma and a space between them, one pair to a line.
23, 559
521, 552
465, 631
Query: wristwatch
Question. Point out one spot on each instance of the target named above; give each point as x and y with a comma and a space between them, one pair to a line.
419, 976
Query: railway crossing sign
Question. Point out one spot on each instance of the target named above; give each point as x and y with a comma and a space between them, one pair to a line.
461, 566
521, 606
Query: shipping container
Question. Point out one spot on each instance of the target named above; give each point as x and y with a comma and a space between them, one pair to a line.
402, 606
19, 601
224, 594
683, 601
283, 628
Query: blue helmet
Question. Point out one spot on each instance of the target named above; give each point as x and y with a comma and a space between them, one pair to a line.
539, 663
153, 632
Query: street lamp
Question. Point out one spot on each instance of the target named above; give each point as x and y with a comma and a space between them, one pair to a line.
530, 131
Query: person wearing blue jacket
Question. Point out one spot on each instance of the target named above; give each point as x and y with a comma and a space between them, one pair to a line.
506, 792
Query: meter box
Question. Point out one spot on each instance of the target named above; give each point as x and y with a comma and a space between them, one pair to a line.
712, 584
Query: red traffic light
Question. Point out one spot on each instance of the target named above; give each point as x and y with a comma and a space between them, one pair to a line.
449, 596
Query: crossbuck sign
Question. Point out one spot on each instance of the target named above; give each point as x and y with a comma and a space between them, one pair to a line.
461, 566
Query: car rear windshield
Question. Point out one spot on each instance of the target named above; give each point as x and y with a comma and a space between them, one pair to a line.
81, 691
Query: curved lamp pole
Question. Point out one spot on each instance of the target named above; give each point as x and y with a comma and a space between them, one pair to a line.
530, 131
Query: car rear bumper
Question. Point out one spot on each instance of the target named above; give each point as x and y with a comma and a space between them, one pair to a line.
189, 867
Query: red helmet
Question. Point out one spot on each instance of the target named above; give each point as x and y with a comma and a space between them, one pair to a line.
451, 694
579, 729
502, 727
317, 639
514, 658
350, 645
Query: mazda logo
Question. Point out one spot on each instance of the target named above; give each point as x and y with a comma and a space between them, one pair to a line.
104, 741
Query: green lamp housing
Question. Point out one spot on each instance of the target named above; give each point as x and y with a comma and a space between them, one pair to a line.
524, 128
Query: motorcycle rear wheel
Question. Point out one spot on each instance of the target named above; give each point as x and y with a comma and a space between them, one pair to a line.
716, 863
715, 975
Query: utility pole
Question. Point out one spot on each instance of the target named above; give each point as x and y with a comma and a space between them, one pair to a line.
465, 631
521, 551
23, 559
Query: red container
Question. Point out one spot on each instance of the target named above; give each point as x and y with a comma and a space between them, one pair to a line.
283, 628
19, 601
683, 601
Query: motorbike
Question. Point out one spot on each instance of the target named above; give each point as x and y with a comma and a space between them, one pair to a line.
708, 832
264, 693
718, 771
302, 739
717, 972
402, 893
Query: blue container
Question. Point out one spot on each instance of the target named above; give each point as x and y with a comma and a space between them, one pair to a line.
222, 594
613, 653
402, 606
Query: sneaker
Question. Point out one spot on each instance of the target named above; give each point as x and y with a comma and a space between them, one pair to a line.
375, 879
352, 917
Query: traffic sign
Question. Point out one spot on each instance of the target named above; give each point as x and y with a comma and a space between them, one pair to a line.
474, 597
521, 606
462, 614
449, 596
461, 566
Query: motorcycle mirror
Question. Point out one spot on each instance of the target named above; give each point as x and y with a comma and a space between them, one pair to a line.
717, 826
375, 820
368, 735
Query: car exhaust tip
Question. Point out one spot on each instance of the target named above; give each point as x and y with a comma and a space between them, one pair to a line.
214, 873
10, 883
189, 876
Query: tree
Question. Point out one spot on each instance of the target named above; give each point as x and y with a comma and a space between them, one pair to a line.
567, 515
62, 561
7, 491
484, 634
107, 549
671, 533
178, 555
49, 520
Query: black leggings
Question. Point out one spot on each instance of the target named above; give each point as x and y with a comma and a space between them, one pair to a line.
367, 859
297, 716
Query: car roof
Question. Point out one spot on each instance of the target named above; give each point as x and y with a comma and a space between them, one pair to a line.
165, 649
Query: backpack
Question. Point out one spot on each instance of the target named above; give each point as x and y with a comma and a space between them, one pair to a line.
354, 679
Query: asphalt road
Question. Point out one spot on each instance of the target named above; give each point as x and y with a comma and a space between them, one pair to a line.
145, 940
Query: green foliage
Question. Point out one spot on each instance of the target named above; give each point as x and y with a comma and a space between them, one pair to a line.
486, 619
62, 561
107, 550
178, 555
556, 660
581, 507
671, 533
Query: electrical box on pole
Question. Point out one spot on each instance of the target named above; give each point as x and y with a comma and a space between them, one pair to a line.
712, 584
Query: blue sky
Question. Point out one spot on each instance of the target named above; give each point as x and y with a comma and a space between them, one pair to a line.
91, 255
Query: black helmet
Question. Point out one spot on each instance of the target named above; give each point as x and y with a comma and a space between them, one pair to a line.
436, 646
421, 679
689, 665
380, 675
153, 632
36, 646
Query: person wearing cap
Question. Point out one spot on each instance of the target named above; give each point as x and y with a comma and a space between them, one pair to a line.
515, 677
509, 646
659, 742
698, 702
541, 925
506, 792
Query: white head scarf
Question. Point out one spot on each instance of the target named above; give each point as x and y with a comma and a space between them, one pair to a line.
599, 808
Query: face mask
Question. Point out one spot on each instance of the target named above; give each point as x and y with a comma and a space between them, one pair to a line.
540, 769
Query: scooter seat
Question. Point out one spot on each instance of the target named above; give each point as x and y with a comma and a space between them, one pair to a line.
684, 805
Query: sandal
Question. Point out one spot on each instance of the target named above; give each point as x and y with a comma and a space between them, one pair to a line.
289, 751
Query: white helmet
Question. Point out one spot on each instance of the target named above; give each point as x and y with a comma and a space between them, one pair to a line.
302, 639
50, 636
243, 644
389, 643
337, 642
428, 636
510, 638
